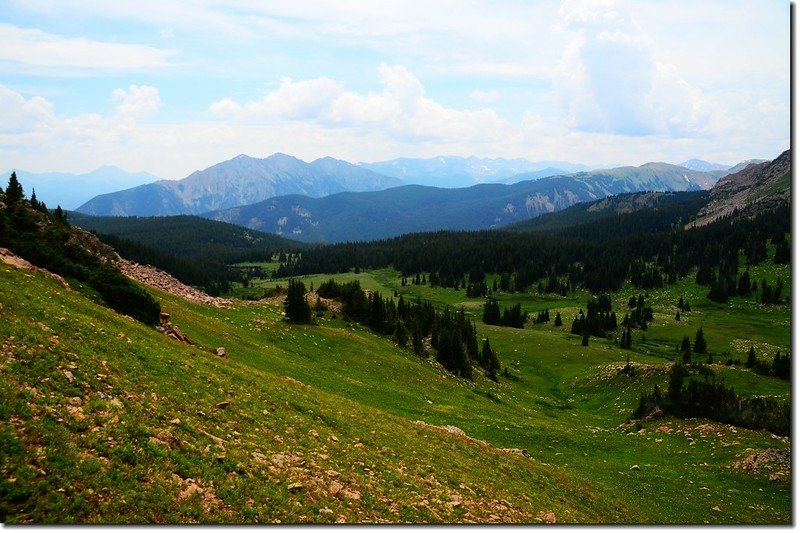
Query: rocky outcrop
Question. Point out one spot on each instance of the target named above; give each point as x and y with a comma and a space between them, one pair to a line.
161, 280
171, 330
755, 188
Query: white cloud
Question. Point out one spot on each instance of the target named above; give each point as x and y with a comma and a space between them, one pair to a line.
485, 97
401, 109
38, 49
138, 101
609, 81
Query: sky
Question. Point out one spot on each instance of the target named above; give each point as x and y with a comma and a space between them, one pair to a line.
173, 86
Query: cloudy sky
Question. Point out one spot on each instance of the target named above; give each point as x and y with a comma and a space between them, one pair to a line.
171, 86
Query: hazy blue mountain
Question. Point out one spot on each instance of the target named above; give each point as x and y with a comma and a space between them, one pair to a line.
453, 171
71, 190
744, 164
535, 175
412, 208
702, 166
238, 181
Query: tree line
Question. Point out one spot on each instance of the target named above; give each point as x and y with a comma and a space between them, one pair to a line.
46, 239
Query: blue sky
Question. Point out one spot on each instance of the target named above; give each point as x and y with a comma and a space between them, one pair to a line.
171, 86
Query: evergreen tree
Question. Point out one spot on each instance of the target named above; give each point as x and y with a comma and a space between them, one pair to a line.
295, 305
678, 315
489, 360
699, 341
585, 340
14, 192
557, 323
751, 358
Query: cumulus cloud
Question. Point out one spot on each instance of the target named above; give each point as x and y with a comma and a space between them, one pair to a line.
137, 101
401, 109
609, 81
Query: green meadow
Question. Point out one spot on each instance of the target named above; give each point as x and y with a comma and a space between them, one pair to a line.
324, 421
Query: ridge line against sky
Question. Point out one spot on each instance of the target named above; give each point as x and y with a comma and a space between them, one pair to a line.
173, 86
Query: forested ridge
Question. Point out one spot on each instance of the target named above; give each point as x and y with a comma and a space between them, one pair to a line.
600, 263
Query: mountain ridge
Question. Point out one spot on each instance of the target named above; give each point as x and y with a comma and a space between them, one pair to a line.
238, 181
411, 208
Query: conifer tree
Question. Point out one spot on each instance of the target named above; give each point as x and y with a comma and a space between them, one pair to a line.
699, 341
557, 323
295, 305
14, 192
585, 340
751, 358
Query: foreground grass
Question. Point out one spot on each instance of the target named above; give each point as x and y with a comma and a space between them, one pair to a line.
321, 424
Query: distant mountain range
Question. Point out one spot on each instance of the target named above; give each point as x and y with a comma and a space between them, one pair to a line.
239, 181
454, 172
412, 208
71, 190
702, 166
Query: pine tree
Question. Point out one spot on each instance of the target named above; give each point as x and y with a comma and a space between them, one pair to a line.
14, 192
557, 323
585, 340
699, 342
678, 315
751, 358
295, 305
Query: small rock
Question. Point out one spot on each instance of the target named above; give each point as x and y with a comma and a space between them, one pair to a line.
550, 518
325, 510
175, 421
221, 352
351, 494
293, 487
716, 508
334, 438
69, 376
635, 467
335, 487
223, 405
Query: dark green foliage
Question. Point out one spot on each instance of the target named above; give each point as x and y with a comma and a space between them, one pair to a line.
699, 342
686, 349
751, 358
193, 238
452, 334
491, 312
711, 399
543, 316
769, 294
523, 260
626, 341
744, 286
295, 306
599, 319
123, 296
557, 322
214, 278
489, 360
44, 239
14, 191
514, 317
783, 252
585, 340
678, 315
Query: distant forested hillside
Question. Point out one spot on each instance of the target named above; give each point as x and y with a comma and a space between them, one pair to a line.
191, 237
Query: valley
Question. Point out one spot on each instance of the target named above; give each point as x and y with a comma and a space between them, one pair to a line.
239, 412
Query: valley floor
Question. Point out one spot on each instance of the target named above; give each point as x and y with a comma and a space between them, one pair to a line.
103, 420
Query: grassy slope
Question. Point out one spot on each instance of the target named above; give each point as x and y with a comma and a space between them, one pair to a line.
564, 407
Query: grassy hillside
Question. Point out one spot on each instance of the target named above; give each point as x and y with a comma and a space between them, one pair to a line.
106, 420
